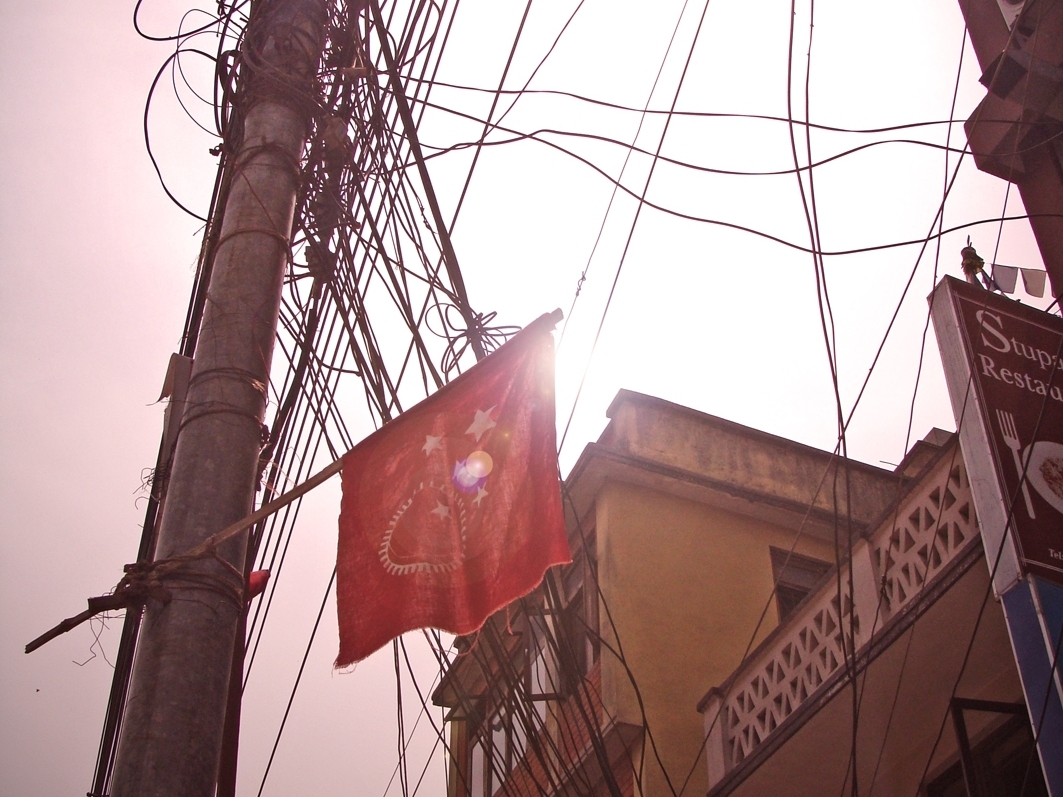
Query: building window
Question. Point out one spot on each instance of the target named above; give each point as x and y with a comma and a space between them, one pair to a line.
795, 576
478, 774
581, 604
544, 674
1000, 763
498, 745
559, 625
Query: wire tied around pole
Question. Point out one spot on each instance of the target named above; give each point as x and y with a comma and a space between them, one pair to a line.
144, 581
156, 580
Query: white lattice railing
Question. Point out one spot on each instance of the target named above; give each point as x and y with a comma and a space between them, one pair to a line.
930, 528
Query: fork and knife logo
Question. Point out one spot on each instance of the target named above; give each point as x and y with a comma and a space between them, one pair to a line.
1011, 438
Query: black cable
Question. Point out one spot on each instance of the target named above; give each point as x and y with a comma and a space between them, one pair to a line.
173, 37
623, 169
789, 244
828, 328
487, 121
634, 223
320, 385
702, 114
308, 380
404, 784
147, 134
536, 135
295, 687
915, 390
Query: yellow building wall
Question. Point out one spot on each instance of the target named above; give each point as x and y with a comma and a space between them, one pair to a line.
685, 584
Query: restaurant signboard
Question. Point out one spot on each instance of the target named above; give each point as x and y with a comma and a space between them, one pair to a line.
1004, 366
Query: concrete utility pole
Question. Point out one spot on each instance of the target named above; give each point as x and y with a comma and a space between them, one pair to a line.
172, 728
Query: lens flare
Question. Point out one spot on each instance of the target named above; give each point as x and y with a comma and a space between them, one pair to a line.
479, 464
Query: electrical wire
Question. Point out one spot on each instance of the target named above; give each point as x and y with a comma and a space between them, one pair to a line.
634, 223
295, 687
537, 134
700, 114
915, 391
828, 329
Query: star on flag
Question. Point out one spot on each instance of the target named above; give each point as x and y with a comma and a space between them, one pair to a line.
432, 443
481, 423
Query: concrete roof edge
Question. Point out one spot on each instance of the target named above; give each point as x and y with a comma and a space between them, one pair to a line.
630, 396
597, 452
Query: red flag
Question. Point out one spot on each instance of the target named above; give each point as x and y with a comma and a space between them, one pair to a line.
453, 509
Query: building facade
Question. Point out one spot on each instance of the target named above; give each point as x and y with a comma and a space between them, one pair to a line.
728, 588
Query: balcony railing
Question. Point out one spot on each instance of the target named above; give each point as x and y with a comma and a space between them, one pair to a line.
931, 527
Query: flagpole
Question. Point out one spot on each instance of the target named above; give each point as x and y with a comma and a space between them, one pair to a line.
266, 510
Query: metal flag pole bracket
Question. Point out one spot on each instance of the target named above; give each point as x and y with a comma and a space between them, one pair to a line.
143, 580
104, 603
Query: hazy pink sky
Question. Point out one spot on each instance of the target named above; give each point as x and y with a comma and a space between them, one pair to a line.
97, 266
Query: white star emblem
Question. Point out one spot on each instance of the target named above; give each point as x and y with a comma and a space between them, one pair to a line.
432, 443
442, 510
481, 423
481, 494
